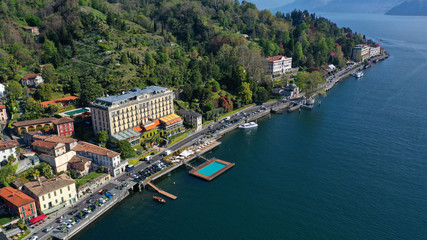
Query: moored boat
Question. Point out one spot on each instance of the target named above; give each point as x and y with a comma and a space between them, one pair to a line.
159, 199
248, 125
358, 74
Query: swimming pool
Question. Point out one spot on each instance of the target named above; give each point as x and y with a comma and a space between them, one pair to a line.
212, 168
77, 111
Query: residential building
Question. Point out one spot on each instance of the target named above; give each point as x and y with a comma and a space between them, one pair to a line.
29, 136
278, 65
64, 126
81, 165
361, 52
101, 156
193, 118
170, 122
2, 89
3, 114
60, 102
120, 113
32, 80
7, 149
18, 203
33, 30
374, 51
54, 153
61, 126
52, 194
70, 143
50, 148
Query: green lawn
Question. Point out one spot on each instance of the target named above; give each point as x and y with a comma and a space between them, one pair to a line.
5, 218
85, 179
178, 139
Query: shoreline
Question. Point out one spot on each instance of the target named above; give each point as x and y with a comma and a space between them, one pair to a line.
276, 106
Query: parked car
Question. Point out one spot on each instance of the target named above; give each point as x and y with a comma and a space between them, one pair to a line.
48, 229
34, 237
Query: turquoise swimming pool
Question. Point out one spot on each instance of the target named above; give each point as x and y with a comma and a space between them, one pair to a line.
211, 168
77, 111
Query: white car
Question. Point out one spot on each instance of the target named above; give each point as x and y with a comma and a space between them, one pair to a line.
34, 237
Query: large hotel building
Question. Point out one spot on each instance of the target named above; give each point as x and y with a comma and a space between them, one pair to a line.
119, 114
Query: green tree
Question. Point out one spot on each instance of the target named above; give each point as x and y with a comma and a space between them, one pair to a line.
102, 136
90, 89
149, 60
245, 92
49, 75
11, 159
46, 170
124, 58
125, 149
49, 51
44, 92
298, 54
14, 89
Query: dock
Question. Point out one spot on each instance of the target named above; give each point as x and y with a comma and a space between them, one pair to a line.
294, 108
171, 196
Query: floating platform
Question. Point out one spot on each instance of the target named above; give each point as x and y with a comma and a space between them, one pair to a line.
211, 169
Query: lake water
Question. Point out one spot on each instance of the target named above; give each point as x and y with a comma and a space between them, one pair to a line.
353, 168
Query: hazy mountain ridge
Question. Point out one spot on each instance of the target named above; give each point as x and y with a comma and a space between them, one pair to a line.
341, 6
410, 8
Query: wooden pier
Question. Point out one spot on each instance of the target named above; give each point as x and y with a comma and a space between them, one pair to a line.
171, 196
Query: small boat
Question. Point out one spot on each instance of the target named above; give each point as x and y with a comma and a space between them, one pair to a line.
159, 199
358, 74
248, 125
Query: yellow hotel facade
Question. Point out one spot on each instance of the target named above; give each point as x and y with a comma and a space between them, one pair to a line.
121, 113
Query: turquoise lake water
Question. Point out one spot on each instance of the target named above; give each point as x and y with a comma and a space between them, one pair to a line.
211, 168
353, 168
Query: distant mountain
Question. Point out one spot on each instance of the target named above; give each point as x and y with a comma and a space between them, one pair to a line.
341, 6
410, 8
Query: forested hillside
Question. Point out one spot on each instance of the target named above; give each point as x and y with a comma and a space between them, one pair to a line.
94, 47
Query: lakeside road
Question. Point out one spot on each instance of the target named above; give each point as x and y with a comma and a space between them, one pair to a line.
215, 130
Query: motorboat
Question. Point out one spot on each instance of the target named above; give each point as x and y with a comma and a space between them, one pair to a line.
159, 199
248, 125
358, 74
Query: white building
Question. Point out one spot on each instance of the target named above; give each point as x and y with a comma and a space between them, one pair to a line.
7, 149
374, 51
52, 194
278, 65
101, 156
192, 117
361, 52
2, 89
32, 80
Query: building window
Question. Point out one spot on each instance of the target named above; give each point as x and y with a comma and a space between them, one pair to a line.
60, 191
44, 205
56, 200
69, 195
42, 198
68, 188
62, 199
48, 195
54, 193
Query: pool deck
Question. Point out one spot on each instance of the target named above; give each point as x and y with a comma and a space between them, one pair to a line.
195, 170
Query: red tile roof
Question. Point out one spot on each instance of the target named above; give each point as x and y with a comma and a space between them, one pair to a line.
62, 120
30, 76
276, 58
34, 122
91, 148
60, 139
15, 197
44, 144
8, 144
59, 100
2, 106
